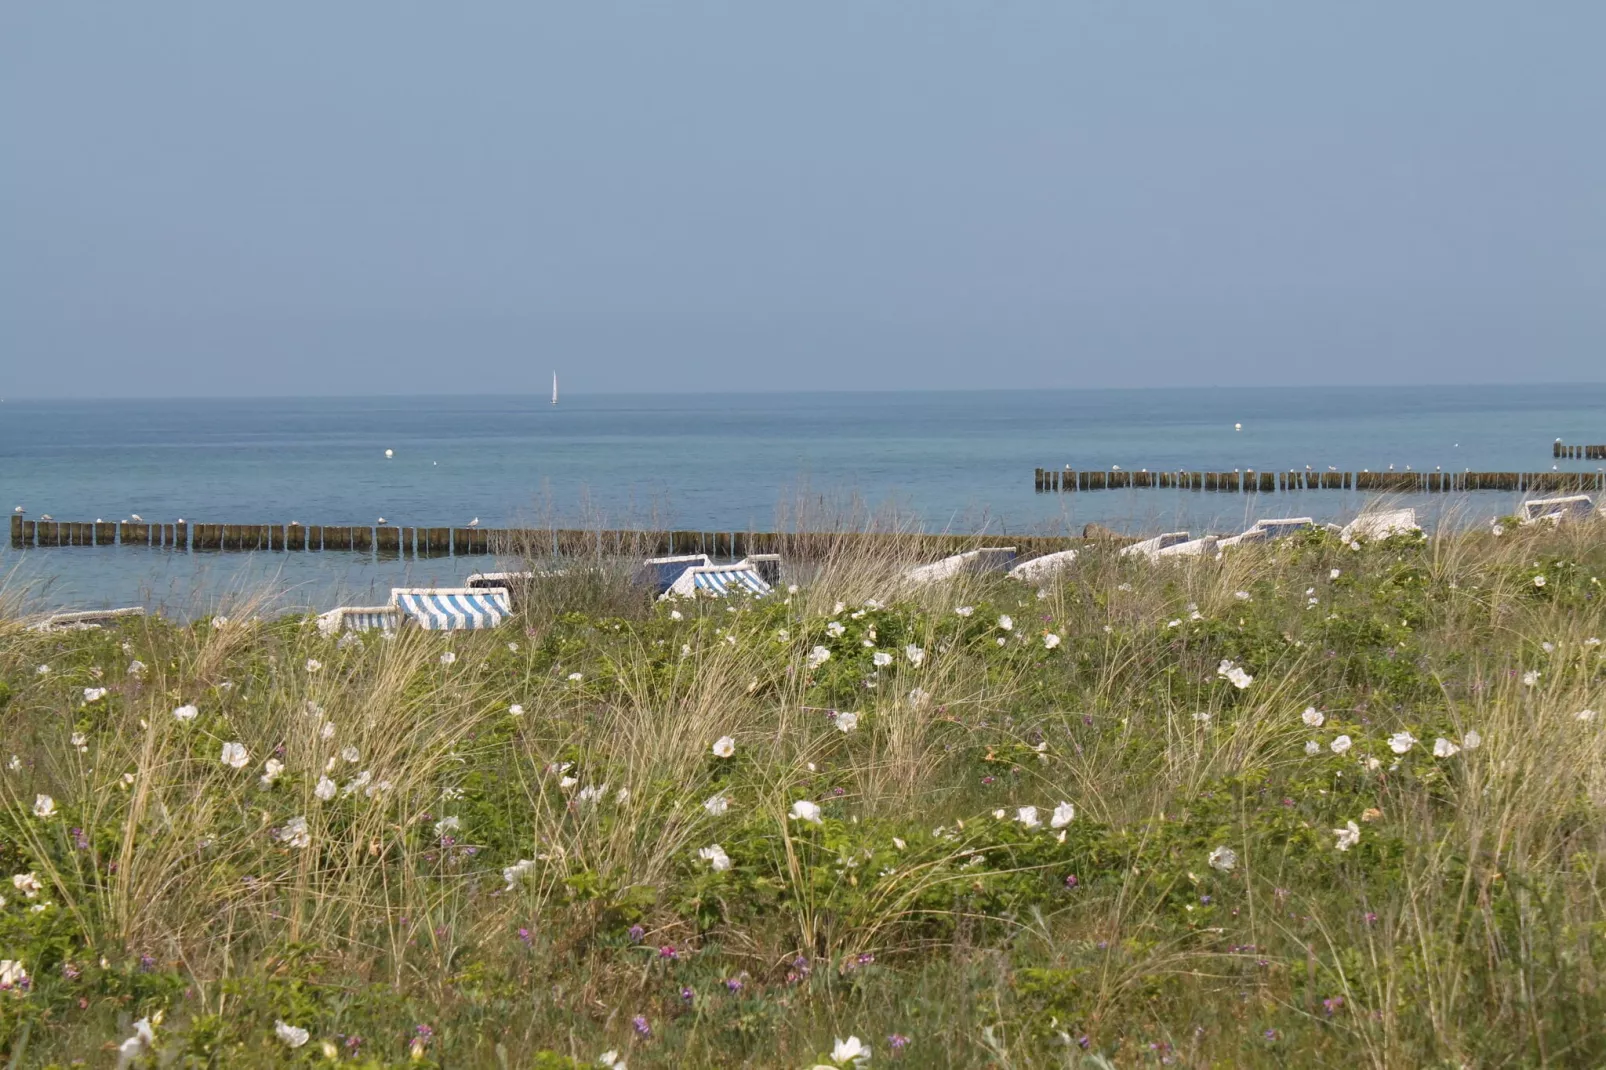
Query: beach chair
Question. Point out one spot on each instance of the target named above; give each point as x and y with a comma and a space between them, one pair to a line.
1555, 510
1150, 548
1380, 525
450, 609
1041, 568
718, 581
92, 618
1266, 530
662, 572
384, 618
986, 559
1204, 544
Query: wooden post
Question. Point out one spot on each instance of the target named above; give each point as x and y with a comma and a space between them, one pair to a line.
30, 532
337, 538
105, 532
276, 537
387, 539
295, 537
362, 540
16, 531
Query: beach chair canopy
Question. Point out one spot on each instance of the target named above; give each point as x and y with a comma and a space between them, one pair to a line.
1204, 544
1381, 524
1574, 506
1039, 568
986, 559
1287, 525
92, 618
359, 619
1150, 547
442, 609
719, 580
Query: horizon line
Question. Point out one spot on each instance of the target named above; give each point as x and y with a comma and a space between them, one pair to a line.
784, 392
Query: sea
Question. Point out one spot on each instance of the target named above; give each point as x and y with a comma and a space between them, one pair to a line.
938, 461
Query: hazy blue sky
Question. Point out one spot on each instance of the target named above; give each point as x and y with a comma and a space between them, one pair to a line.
363, 197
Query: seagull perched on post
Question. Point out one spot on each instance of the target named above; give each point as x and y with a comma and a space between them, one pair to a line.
19, 510
474, 523
137, 517
46, 516
381, 520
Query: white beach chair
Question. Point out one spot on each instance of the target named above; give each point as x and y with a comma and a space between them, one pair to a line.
1150, 548
92, 618
1555, 510
1040, 568
1380, 525
985, 559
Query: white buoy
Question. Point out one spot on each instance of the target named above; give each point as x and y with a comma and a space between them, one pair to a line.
390, 453
1237, 427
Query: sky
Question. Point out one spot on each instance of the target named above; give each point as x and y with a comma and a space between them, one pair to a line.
201, 199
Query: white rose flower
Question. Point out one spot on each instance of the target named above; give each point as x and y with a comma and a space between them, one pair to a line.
847, 722
1064, 814
724, 747
186, 713
235, 756
1223, 858
716, 857
803, 810
1348, 836
1340, 745
1313, 717
293, 1036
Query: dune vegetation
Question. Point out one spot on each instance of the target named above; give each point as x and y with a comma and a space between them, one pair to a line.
1306, 805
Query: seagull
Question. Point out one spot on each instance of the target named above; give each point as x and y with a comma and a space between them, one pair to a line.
137, 517
381, 520
474, 523
390, 453
19, 510
1237, 427
46, 516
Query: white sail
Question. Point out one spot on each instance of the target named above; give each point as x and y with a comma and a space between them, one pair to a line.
554, 388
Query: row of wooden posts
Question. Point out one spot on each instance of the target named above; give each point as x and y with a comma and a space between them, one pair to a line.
1578, 453
395, 541
1245, 482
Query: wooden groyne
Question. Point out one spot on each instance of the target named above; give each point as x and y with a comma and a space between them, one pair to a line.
1248, 481
393, 541
1577, 453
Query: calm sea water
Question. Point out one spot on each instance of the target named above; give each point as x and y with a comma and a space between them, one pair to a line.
957, 461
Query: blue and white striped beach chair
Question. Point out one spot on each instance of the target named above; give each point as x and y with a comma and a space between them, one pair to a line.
359, 619
719, 581
445, 609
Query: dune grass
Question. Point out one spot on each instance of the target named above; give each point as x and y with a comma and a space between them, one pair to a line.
498, 849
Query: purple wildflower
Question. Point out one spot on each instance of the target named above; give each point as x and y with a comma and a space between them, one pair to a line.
524, 935
733, 984
1071, 881
668, 952
636, 933
898, 1041
639, 1023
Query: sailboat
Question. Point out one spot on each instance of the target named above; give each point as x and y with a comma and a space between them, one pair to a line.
554, 388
